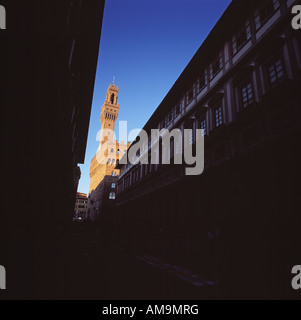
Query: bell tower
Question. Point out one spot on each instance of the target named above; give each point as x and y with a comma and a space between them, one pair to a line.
109, 113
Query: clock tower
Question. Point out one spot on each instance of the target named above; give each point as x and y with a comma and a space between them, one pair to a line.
109, 113
110, 151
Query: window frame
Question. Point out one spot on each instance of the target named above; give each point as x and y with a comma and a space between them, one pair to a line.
190, 95
170, 116
177, 113
201, 86
244, 84
260, 21
202, 120
217, 107
112, 196
218, 59
267, 64
246, 29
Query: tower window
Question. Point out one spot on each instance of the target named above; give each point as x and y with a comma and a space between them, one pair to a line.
112, 195
113, 185
112, 98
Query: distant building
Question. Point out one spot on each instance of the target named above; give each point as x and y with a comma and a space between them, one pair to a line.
80, 206
103, 176
241, 216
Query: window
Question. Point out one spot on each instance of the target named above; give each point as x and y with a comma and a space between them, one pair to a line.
266, 10
203, 125
190, 134
114, 173
246, 94
112, 195
112, 98
190, 95
178, 109
170, 116
218, 116
241, 38
113, 161
203, 81
109, 161
216, 66
275, 72
113, 185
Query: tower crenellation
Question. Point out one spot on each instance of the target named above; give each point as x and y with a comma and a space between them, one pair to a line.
109, 111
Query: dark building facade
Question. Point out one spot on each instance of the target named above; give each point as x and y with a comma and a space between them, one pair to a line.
238, 222
51, 51
102, 199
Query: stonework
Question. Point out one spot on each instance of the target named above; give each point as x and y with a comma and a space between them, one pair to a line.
80, 206
100, 169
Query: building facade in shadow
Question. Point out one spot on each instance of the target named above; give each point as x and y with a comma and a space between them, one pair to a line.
52, 51
238, 222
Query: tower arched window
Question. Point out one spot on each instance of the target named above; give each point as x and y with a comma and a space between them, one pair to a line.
112, 98
109, 161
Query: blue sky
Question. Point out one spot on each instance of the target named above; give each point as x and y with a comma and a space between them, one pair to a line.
145, 44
